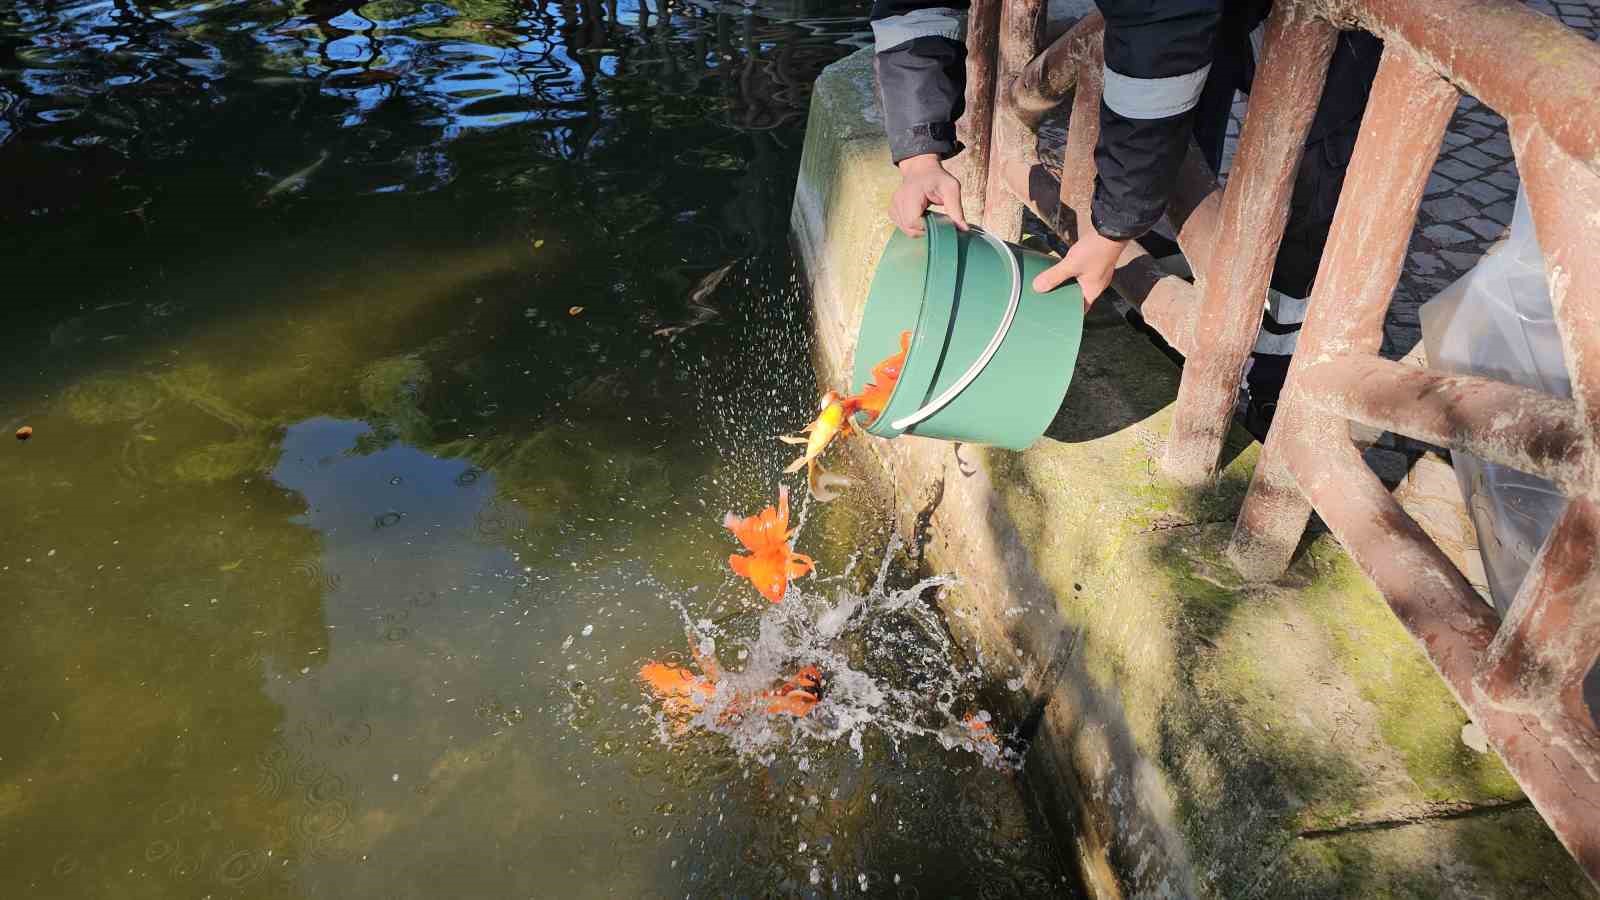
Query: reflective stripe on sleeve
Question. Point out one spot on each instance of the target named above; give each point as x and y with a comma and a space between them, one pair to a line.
937, 21
1153, 98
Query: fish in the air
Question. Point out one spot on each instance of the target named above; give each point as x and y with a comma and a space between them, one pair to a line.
875, 395
772, 561
294, 182
700, 309
832, 421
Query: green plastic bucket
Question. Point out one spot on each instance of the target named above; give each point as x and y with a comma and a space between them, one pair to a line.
964, 296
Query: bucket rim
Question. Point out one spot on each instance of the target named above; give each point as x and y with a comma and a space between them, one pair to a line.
932, 319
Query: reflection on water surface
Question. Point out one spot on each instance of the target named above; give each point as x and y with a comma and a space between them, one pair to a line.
341, 538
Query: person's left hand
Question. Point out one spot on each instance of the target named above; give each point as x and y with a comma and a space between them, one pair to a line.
1091, 260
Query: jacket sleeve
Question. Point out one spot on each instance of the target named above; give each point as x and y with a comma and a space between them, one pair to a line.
1157, 56
920, 63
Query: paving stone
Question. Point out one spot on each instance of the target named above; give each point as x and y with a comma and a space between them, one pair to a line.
1482, 192
1455, 168
1485, 228
1449, 209
1456, 139
1475, 130
1424, 263
1500, 212
1438, 184
1445, 234
1461, 262
1497, 146
1389, 465
1407, 315
1475, 157
1504, 179
1400, 338
1489, 117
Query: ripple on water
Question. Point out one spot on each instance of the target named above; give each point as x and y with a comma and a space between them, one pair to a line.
274, 768
327, 789
241, 866
309, 772
168, 811
187, 865
310, 571
159, 849
318, 823
106, 399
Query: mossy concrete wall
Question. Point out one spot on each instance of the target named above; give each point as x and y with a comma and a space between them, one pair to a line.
1197, 736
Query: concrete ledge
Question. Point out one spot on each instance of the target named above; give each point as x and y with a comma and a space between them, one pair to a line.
1196, 735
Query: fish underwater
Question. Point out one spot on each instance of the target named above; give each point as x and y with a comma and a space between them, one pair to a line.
700, 309
294, 182
772, 561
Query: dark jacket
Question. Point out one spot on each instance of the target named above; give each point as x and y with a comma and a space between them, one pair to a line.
1158, 56
920, 62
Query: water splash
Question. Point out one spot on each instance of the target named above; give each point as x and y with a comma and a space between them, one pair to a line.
888, 667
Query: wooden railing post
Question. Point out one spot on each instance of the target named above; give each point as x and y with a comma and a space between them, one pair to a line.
1255, 207
1400, 136
1021, 31
1531, 680
975, 130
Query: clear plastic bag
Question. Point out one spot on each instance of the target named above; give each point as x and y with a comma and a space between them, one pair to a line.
1497, 321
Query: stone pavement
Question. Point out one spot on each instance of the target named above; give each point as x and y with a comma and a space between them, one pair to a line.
1469, 199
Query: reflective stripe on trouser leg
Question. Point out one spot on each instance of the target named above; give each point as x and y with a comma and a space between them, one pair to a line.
1280, 327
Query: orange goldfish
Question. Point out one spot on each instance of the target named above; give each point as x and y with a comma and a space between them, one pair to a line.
681, 691
772, 562
683, 694
798, 696
875, 395
979, 727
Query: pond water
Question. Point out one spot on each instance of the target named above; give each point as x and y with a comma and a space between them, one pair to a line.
363, 478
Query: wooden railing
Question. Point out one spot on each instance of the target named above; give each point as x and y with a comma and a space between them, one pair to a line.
1532, 680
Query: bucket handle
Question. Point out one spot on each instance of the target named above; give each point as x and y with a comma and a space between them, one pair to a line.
973, 371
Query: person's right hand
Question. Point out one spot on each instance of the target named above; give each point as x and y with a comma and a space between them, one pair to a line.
1092, 260
923, 182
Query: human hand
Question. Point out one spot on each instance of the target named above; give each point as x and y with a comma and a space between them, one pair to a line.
924, 181
1091, 260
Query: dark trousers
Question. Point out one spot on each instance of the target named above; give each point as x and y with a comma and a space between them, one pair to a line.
1317, 182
